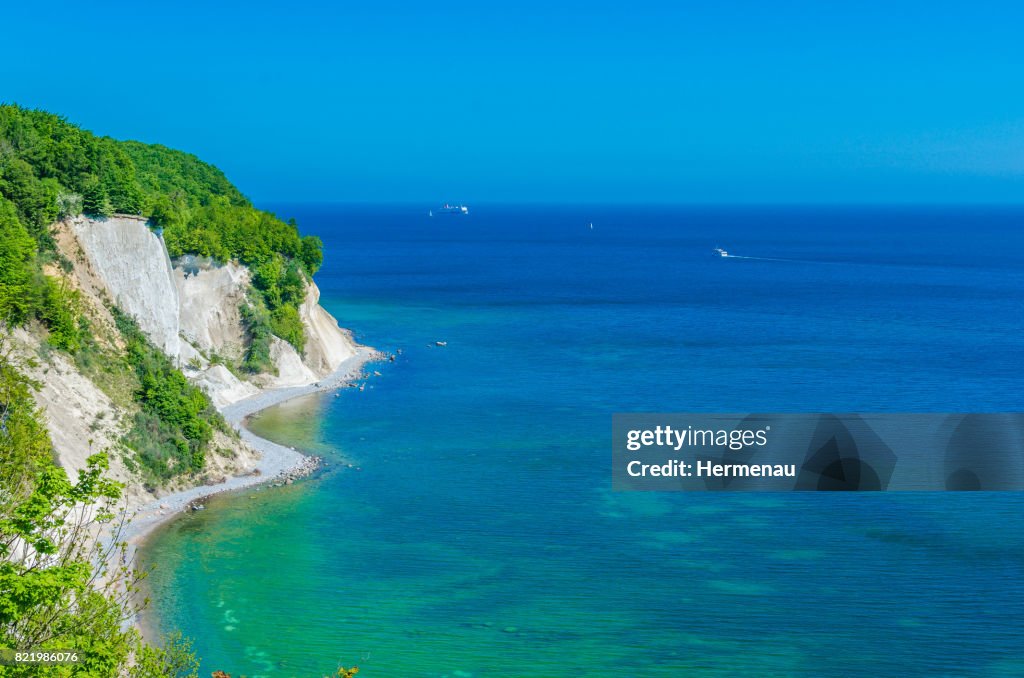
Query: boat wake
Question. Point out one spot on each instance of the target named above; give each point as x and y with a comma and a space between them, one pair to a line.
723, 254
740, 256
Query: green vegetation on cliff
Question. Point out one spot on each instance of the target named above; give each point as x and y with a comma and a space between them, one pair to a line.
17, 266
60, 589
50, 169
175, 425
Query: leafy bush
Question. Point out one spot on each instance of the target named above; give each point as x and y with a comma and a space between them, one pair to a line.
69, 204
59, 310
60, 589
312, 253
17, 266
172, 433
95, 199
256, 320
286, 323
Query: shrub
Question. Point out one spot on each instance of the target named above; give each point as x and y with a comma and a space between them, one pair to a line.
286, 323
173, 431
17, 266
256, 320
59, 309
61, 589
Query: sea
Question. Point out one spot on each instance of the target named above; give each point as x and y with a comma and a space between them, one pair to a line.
476, 532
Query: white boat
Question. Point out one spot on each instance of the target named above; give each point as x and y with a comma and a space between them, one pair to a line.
452, 209
719, 252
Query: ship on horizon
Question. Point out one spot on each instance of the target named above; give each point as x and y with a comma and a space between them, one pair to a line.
448, 208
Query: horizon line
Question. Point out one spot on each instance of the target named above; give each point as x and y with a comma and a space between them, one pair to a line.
427, 204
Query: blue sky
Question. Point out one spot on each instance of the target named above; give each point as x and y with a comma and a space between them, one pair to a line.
551, 102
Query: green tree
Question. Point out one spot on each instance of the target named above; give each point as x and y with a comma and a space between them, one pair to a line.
95, 201
165, 213
60, 587
17, 255
256, 321
69, 204
312, 254
35, 199
286, 323
59, 310
174, 660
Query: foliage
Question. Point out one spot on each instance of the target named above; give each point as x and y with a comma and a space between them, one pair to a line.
43, 154
172, 433
17, 266
256, 320
180, 176
51, 169
35, 197
280, 282
312, 253
68, 204
95, 200
283, 288
60, 588
286, 323
59, 310
174, 660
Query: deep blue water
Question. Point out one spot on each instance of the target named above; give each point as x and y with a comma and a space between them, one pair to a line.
481, 537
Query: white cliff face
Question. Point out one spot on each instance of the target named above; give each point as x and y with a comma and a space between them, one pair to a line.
291, 371
80, 418
191, 317
132, 263
208, 308
121, 260
210, 297
327, 345
223, 387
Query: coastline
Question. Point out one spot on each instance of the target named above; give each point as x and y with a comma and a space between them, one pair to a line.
275, 460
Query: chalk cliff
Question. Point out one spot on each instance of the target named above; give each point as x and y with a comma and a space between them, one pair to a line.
209, 297
132, 264
190, 309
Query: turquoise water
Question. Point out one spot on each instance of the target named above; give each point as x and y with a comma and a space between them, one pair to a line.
481, 538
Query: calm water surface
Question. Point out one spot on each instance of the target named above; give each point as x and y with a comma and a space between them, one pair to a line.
481, 537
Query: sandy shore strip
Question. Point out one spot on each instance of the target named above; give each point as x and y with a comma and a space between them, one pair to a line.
275, 460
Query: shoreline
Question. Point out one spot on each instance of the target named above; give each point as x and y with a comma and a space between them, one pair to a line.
275, 460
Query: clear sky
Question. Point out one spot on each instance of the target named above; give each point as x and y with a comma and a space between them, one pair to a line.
546, 101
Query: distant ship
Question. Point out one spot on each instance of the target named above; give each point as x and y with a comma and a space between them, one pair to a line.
451, 209
719, 252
